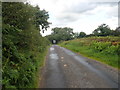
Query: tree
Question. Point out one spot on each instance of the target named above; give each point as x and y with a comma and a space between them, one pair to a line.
102, 30
61, 34
75, 35
116, 32
20, 15
41, 17
82, 34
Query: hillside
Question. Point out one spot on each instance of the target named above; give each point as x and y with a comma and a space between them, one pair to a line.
103, 49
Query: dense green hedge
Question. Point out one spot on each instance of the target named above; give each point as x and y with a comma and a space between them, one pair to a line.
23, 46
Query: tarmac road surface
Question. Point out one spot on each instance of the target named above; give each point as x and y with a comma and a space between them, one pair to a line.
66, 69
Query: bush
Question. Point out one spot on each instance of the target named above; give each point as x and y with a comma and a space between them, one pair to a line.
100, 46
22, 45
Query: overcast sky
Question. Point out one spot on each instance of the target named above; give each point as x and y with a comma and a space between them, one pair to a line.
81, 15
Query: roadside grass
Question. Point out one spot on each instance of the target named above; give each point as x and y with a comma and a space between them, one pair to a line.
41, 58
97, 48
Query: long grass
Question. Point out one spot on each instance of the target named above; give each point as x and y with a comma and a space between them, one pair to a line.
103, 49
41, 64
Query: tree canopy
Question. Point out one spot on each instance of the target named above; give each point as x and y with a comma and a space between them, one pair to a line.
66, 33
102, 30
61, 34
82, 34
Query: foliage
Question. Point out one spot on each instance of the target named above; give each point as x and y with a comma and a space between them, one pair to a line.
75, 35
61, 34
104, 49
21, 16
41, 18
23, 46
104, 30
65, 34
82, 34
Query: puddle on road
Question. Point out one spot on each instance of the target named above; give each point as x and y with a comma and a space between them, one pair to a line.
55, 78
62, 57
52, 49
65, 65
54, 56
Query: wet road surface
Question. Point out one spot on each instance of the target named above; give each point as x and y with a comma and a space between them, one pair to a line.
65, 69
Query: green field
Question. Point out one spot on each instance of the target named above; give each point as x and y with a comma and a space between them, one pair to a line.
103, 49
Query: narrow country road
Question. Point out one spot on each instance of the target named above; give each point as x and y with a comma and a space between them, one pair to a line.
65, 69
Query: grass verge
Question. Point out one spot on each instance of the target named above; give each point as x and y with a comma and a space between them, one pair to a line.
41, 64
102, 51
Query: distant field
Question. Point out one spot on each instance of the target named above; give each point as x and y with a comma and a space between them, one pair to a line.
104, 49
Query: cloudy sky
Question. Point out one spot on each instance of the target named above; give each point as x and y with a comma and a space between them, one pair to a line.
81, 15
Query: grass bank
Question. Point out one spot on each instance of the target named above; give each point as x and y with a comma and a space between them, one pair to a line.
103, 49
40, 65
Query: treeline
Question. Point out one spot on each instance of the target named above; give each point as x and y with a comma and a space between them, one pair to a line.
104, 30
61, 34
65, 34
23, 46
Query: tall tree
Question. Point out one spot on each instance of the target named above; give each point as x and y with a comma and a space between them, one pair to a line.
75, 35
60, 34
82, 34
116, 32
102, 30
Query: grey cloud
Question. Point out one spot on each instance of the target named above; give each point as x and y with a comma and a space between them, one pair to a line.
107, 3
68, 18
74, 12
81, 7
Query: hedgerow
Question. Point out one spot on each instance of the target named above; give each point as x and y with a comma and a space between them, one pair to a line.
23, 47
